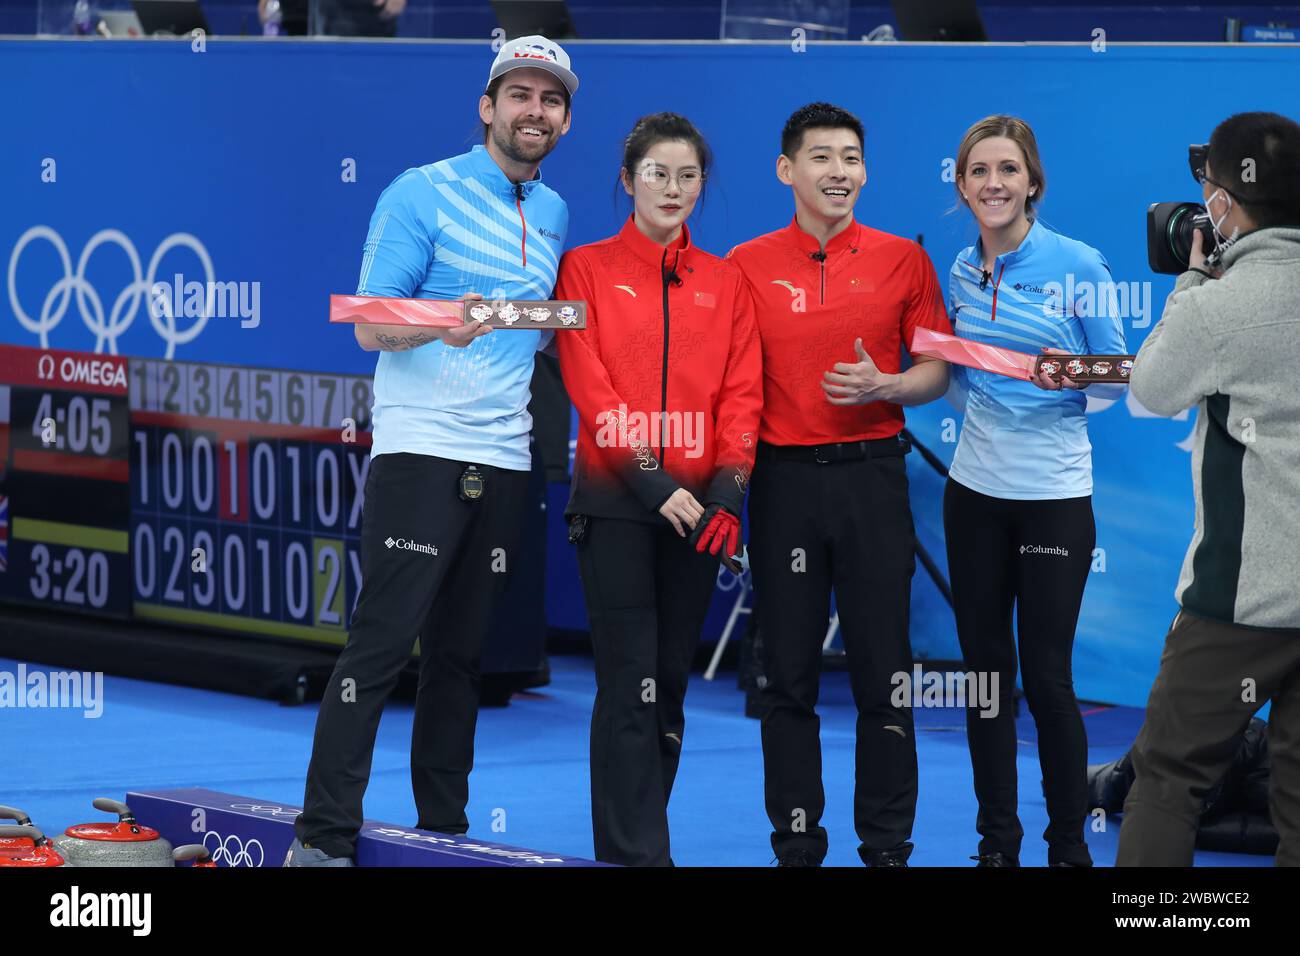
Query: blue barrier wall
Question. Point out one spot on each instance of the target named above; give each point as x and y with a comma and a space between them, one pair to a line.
243, 146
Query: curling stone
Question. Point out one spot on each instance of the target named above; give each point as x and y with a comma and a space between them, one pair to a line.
124, 843
26, 846
193, 851
21, 818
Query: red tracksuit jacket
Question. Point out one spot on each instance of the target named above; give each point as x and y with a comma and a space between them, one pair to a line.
668, 331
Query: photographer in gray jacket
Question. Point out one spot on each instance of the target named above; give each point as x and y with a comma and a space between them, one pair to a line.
1228, 343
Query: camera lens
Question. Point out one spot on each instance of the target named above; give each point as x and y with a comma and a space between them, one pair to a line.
1187, 219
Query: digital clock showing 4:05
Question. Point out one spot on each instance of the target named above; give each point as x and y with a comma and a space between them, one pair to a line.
72, 422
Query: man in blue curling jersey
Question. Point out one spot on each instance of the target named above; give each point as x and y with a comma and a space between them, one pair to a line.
450, 458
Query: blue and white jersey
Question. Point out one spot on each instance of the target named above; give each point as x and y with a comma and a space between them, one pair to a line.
1019, 441
439, 231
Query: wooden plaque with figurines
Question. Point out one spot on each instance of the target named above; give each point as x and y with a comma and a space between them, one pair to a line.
1087, 369
446, 314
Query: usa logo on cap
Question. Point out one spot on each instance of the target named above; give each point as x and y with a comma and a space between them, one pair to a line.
537, 52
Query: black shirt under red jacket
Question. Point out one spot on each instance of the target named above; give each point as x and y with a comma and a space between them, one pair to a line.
668, 330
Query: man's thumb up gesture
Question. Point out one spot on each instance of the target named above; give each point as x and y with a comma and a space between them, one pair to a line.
859, 382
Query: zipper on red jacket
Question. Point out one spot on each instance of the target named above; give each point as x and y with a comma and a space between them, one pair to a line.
821, 298
519, 204
994, 316
666, 273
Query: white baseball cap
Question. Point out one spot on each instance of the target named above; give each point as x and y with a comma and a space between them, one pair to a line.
539, 53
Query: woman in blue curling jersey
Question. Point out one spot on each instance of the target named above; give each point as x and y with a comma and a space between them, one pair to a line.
1018, 504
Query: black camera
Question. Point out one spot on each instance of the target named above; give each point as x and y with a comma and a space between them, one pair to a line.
1170, 224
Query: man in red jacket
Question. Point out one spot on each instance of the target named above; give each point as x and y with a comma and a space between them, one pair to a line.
836, 304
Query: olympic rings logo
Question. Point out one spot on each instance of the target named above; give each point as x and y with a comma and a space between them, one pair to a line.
108, 328
232, 850
270, 811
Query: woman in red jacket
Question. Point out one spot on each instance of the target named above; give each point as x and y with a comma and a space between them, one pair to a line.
667, 382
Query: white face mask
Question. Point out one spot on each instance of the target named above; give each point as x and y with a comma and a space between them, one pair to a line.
1223, 239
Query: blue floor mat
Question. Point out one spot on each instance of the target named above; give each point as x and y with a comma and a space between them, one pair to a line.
530, 770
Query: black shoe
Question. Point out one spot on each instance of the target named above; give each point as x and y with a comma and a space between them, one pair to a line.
895, 857
798, 858
995, 859
1074, 855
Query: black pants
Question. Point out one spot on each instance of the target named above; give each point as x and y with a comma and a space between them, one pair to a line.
445, 600
1195, 717
1034, 555
647, 595
846, 526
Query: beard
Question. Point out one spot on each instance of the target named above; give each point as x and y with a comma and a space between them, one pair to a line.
519, 150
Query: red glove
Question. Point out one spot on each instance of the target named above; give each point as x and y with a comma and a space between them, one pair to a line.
718, 531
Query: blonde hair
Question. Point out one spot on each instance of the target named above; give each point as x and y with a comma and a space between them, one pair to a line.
1016, 130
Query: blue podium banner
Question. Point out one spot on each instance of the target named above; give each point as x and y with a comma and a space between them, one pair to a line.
247, 832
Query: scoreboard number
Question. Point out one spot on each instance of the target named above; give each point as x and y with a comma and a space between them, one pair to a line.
83, 584
232, 385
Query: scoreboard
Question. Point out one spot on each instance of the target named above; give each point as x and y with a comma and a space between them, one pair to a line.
245, 496
218, 496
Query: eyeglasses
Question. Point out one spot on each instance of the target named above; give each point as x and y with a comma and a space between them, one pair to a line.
656, 179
